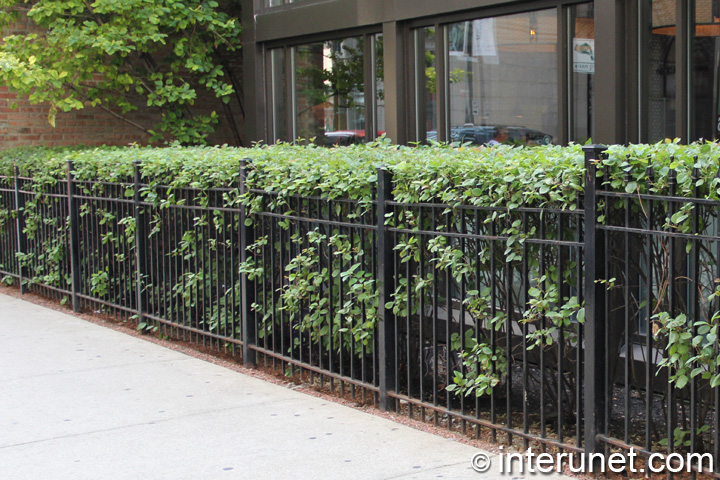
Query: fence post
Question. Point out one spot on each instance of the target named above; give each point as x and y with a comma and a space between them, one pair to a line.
20, 226
594, 351
386, 324
74, 237
247, 318
140, 249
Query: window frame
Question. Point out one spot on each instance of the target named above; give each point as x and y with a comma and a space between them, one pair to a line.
564, 64
290, 48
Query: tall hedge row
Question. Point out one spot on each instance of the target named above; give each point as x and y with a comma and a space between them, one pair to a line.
467, 173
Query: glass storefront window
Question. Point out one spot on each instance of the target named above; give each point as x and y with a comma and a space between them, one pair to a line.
275, 3
583, 72
379, 78
318, 91
503, 79
425, 85
660, 46
658, 60
469, 74
279, 82
329, 92
706, 64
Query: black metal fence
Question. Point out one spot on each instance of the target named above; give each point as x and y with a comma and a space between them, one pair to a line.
168, 260
307, 307
658, 256
489, 311
413, 305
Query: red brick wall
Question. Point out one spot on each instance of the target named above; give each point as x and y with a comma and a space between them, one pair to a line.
28, 124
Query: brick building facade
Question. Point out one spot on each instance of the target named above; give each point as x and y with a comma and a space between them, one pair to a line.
28, 125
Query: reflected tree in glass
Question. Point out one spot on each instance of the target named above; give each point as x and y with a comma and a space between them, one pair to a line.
329, 91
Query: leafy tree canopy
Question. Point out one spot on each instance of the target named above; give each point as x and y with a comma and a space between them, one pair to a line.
120, 55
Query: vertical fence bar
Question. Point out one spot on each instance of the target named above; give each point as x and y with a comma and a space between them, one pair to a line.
74, 237
579, 380
672, 400
693, 308
649, 356
246, 292
626, 310
716, 345
386, 323
595, 354
20, 227
140, 248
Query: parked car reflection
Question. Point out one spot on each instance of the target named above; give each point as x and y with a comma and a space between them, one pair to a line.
482, 134
345, 137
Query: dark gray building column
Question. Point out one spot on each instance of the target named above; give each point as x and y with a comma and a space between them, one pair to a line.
396, 84
611, 109
684, 117
253, 76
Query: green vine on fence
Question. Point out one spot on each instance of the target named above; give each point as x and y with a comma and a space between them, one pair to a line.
327, 290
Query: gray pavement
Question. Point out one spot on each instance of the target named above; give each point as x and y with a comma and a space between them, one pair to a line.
80, 401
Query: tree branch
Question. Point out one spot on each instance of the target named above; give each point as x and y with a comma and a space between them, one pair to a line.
106, 109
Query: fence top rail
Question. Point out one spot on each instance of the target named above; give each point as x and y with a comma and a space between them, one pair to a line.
190, 189
43, 194
659, 233
127, 184
102, 199
578, 211
324, 221
473, 236
29, 179
657, 198
99, 182
272, 193
208, 208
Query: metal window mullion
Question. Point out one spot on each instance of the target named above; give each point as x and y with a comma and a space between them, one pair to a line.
684, 13
644, 13
291, 94
272, 119
442, 83
417, 86
688, 51
565, 84
370, 93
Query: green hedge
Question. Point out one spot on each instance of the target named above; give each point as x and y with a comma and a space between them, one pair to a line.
455, 175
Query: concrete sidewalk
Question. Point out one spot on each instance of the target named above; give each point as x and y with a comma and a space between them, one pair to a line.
80, 401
